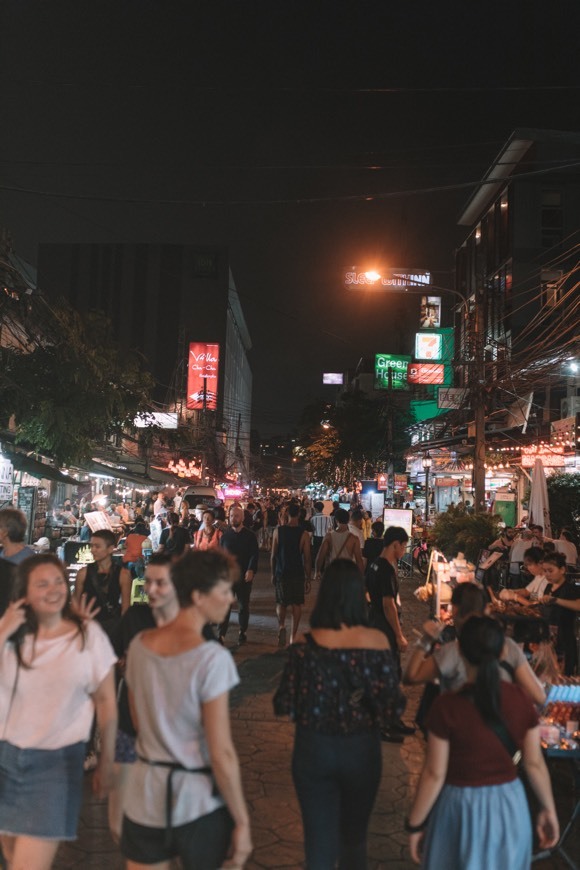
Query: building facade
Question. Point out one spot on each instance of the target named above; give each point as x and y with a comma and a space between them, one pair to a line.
159, 298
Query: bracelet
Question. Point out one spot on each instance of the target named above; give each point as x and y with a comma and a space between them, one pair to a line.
425, 643
415, 829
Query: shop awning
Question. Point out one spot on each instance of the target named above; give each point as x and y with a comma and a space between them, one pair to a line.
39, 469
154, 478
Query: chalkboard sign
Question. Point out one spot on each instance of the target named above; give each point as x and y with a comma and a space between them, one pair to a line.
26, 500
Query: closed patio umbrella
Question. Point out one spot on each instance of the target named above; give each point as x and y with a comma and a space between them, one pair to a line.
539, 505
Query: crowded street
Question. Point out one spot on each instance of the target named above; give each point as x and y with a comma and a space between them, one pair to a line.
264, 744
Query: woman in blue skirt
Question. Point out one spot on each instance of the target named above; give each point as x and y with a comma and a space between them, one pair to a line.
470, 809
55, 673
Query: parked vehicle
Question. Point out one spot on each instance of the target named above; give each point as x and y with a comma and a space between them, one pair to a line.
206, 495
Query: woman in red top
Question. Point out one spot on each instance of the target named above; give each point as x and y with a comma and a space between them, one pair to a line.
208, 537
133, 554
470, 809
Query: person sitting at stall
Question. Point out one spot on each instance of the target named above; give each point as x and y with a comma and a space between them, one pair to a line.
534, 565
133, 555
446, 664
562, 600
104, 581
565, 544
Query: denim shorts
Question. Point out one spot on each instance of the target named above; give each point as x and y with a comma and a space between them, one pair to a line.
41, 791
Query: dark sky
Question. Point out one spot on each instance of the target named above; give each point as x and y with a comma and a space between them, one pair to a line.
228, 107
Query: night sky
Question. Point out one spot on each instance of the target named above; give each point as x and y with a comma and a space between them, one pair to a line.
258, 122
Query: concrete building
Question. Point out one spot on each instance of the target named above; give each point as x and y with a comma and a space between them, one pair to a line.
161, 297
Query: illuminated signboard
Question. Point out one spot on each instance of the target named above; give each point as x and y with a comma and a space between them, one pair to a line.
426, 373
382, 482
161, 419
202, 376
430, 316
398, 517
387, 280
428, 345
552, 457
391, 371
333, 378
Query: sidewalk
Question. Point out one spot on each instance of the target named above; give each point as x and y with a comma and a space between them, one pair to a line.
264, 744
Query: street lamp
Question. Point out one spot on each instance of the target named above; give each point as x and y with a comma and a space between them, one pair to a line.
426, 462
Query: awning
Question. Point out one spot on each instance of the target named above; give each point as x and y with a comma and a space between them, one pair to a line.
39, 469
154, 478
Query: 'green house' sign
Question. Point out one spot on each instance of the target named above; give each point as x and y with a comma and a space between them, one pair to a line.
391, 372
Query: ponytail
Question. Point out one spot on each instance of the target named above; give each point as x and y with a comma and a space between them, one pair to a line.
481, 642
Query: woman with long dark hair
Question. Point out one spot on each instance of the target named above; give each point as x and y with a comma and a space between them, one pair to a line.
55, 673
470, 809
340, 687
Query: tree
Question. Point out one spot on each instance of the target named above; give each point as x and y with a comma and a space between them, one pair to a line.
456, 531
564, 497
350, 441
73, 387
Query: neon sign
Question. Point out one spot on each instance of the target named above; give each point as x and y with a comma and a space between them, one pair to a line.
202, 376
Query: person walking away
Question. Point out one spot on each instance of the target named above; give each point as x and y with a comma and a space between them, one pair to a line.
162, 609
321, 525
383, 589
470, 808
356, 526
242, 544
55, 674
184, 798
208, 536
271, 523
12, 533
175, 539
339, 544
340, 687
291, 563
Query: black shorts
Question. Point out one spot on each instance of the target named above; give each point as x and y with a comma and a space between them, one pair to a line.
290, 591
202, 844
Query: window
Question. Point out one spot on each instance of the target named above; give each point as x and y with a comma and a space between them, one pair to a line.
552, 289
552, 218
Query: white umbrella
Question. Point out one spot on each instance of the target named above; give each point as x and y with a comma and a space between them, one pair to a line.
539, 504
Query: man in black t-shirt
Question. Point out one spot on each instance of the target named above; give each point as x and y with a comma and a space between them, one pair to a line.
385, 607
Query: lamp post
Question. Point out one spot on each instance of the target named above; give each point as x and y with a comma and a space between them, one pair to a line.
476, 380
427, 462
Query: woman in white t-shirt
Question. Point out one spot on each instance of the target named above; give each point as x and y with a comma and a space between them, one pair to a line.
184, 797
55, 673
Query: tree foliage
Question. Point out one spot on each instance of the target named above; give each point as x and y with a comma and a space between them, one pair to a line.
564, 497
456, 531
74, 388
350, 441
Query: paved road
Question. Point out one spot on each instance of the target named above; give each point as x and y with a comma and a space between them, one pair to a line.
264, 745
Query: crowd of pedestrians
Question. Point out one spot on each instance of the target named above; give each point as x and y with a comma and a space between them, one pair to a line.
153, 680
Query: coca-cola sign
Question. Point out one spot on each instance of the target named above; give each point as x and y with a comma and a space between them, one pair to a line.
202, 376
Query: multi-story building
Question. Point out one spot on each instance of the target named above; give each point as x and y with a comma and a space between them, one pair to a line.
160, 298
517, 334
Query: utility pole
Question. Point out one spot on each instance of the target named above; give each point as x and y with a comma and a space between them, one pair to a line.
478, 399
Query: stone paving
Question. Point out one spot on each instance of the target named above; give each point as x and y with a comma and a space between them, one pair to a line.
264, 744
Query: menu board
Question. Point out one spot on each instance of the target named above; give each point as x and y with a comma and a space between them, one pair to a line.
397, 517
26, 500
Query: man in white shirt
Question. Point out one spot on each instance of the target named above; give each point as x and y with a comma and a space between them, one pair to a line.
158, 504
566, 545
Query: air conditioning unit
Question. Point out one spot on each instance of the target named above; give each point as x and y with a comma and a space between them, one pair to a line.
569, 407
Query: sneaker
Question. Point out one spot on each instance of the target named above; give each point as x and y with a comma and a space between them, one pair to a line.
242, 638
90, 762
282, 637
